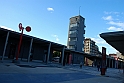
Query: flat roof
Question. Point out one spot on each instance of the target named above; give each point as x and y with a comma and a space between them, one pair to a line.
115, 39
39, 40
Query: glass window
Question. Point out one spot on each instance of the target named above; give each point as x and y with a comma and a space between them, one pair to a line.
72, 47
72, 32
72, 39
73, 25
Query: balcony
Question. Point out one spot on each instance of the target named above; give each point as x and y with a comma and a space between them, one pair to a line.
73, 35
72, 42
73, 28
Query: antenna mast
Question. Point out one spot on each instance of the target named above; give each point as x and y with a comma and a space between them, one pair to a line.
79, 10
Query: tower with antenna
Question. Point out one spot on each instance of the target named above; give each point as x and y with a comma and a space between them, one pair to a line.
76, 33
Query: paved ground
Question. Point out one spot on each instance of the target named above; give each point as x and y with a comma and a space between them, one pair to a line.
54, 73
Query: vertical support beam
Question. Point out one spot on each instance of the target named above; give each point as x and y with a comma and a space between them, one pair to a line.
109, 62
48, 53
112, 63
121, 64
29, 54
106, 62
63, 50
123, 67
5, 45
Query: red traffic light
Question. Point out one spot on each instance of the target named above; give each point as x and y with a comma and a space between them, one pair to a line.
28, 28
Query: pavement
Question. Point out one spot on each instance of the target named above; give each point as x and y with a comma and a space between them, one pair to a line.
38, 72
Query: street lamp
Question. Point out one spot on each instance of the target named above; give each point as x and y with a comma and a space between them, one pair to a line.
28, 29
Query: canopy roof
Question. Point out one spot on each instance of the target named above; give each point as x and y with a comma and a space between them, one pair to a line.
115, 39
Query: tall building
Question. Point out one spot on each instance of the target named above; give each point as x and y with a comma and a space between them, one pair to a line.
90, 47
76, 33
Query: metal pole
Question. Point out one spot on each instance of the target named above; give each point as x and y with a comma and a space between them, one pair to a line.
62, 55
5, 45
20, 41
30, 49
48, 52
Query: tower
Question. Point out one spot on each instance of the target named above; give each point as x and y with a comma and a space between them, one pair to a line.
76, 33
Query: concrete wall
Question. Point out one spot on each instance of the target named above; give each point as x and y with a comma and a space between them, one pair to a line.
77, 58
2, 43
11, 41
24, 51
38, 52
80, 35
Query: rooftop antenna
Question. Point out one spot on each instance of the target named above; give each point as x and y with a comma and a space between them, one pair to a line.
79, 10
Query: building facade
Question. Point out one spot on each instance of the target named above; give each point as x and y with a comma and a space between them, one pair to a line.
76, 33
90, 47
35, 49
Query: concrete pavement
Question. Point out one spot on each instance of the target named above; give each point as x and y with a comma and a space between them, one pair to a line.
54, 73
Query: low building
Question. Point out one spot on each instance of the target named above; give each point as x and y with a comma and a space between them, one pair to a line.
33, 48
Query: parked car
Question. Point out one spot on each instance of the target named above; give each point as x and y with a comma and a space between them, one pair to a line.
56, 59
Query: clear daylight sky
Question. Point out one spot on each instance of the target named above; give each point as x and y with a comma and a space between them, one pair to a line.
49, 19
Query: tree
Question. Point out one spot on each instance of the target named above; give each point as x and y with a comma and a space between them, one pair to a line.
56, 54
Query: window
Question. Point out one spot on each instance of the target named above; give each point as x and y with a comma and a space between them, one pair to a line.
72, 39
72, 47
72, 32
73, 25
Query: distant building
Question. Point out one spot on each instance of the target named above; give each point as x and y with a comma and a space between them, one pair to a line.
120, 56
76, 33
91, 48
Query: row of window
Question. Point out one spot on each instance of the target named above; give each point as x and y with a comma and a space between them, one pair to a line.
72, 39
73, 31
74, 25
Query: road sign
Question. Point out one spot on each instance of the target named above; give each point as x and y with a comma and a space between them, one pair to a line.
28, 28
20, 26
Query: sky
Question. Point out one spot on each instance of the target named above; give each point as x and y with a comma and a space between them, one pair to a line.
49, 19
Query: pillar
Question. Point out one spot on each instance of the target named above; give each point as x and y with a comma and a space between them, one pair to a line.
29, 54
5, 45
121, 64
106, 62
109, 62
48, 54
62, 59
112, 63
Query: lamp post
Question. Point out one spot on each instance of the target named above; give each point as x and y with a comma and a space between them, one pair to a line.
28, 29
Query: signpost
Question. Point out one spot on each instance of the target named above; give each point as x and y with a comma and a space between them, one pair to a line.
103, 65
28, 29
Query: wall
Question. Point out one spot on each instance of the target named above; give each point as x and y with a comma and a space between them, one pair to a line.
77, 58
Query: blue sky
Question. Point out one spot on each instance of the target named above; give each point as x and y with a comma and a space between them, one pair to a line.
49, 19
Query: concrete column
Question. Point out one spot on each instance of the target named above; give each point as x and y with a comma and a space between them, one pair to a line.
116, 63
109, 62
48, 53
106, 61
63, 50
29, 54
5, 45
94, 62
123, 67
121, 64
112, 63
